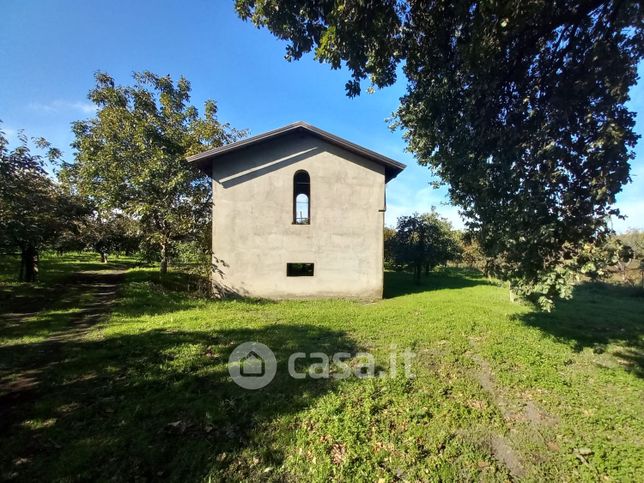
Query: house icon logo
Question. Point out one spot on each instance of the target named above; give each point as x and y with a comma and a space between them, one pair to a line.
252, 365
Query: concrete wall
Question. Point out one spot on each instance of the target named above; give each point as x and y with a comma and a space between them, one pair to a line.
253, 232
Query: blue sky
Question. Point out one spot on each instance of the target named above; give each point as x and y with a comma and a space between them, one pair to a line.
49, 51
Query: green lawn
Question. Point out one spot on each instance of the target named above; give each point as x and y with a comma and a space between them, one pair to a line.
500, 391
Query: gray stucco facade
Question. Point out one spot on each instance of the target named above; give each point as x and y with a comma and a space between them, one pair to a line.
255, 235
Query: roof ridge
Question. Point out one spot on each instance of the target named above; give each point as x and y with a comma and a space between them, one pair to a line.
392, 167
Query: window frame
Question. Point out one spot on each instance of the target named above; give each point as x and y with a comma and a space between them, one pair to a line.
300, 269
297, 192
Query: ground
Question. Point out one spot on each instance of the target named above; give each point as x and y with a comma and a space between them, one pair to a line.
109, 373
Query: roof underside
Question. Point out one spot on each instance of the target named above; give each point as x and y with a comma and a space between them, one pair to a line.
205, 159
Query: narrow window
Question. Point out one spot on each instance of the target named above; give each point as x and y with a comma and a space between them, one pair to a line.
301, 198
299, 269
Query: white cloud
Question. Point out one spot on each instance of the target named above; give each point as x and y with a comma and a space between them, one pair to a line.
61, 106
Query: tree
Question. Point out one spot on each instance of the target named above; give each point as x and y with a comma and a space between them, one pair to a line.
518, 106
411, 244
471, 253
635, 240
33, 208
423, 242
633, 243
106, 233
443, 242
599, 259
389, 237
132, 156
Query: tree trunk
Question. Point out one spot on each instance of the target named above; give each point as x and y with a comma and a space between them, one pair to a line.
29, 264
418, 268
427, 269
511, 292
164, 258
103, 257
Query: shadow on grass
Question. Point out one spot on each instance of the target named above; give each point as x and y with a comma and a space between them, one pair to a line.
61, 281
27, 310
154, 294
397, 284
158, 404
180, 281
598, 315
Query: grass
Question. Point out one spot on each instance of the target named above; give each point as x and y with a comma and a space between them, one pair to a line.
55, 268
500, 391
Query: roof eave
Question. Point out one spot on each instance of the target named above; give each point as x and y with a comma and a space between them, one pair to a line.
204, 160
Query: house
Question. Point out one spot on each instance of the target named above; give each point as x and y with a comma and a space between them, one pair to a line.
297, 212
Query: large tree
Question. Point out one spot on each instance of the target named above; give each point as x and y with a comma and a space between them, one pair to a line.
518, 106
34, 210
132, 156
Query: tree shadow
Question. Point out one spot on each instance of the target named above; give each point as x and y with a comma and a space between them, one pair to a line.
599, 315
45, 311
60, 288
157, 404
156, 294
397, 284
86, 297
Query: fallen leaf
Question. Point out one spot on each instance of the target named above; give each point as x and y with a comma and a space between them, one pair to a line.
338, 453
552, 446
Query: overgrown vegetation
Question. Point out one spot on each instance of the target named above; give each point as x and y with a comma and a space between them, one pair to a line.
630, 266
501, 391
422, 242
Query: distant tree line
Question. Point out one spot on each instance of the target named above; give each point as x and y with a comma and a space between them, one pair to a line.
421, 242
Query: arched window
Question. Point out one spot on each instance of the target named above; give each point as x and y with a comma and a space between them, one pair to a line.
301, 198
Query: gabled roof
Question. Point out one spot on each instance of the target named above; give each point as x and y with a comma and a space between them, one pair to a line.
204, 160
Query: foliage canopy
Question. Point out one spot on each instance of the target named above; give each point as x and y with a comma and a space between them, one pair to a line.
423, 241
34, 209
132, 156
518, 106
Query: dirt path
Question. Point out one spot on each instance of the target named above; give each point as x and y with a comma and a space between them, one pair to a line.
91, 295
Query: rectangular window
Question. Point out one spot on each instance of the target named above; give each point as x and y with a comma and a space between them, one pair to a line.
299, 269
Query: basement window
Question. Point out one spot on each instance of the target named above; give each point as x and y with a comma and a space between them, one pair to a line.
299, 269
